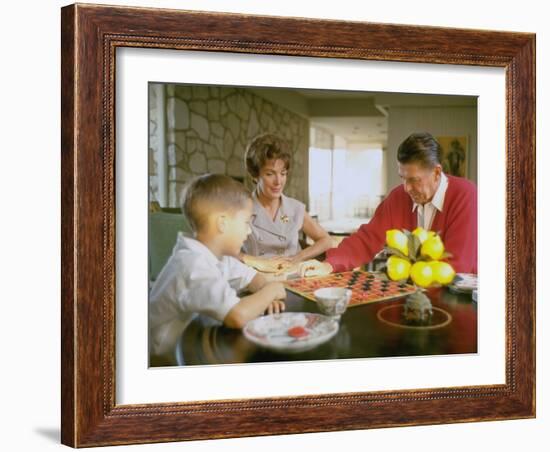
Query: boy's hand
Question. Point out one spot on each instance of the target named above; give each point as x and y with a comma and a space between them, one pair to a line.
277, 290
276, 307
314, 268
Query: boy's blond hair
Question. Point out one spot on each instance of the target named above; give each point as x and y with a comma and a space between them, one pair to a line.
211, 193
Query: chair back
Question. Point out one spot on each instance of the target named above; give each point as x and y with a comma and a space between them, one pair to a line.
163, 232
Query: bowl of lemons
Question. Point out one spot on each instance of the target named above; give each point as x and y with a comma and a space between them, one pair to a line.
419, 257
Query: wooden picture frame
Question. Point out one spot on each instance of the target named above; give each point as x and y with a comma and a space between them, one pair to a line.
90, 36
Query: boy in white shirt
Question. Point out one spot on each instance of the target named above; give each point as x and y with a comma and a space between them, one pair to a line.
203, 275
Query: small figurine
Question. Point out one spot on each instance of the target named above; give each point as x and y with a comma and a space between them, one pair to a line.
418, 307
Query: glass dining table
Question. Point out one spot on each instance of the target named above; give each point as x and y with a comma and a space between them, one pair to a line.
367, 331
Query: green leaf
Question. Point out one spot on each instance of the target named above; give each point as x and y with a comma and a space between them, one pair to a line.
394, 252
414, 247
410, 245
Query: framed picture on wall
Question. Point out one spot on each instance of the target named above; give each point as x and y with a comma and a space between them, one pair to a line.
455, 155
110, 395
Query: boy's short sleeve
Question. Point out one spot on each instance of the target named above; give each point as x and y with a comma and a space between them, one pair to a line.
195, 283
212, 297
239, 274
207, 291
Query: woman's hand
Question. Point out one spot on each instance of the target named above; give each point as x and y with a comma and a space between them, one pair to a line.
293, 261
260, 263
284, 264
277, 264
314, 268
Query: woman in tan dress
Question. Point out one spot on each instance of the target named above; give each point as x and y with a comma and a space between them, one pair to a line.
277, 220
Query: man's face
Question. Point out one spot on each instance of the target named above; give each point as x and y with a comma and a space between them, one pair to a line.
419, 182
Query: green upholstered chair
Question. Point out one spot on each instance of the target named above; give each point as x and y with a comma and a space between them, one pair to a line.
163, 231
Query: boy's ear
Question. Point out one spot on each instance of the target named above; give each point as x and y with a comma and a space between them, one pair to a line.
221, 223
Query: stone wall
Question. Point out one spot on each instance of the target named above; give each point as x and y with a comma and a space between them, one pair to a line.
208, 128
153, 142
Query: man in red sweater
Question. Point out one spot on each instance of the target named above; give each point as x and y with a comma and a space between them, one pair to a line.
427, 198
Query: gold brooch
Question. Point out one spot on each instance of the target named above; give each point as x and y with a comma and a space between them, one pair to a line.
284, 218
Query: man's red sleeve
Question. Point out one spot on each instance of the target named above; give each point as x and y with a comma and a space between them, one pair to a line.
361, 247
460, 235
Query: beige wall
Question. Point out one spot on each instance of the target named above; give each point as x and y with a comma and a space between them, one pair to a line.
439, 121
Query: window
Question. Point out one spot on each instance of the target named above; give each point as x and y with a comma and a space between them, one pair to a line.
346, 183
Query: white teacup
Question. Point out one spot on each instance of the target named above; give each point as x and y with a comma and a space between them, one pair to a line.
333, 301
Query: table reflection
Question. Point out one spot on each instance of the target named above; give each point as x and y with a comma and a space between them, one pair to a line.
363, 333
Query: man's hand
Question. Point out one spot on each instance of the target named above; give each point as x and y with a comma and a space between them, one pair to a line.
314, 268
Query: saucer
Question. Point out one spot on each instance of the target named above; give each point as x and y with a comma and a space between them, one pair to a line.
291, 332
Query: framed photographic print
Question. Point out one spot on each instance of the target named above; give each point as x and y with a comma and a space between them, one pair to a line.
338, 144
455, 155
152, 98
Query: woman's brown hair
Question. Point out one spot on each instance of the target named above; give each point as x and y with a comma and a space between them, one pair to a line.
263, 148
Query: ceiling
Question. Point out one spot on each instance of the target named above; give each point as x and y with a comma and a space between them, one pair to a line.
356, 129
362, 117
359, 117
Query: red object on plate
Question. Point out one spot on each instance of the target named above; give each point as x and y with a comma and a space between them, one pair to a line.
297, 331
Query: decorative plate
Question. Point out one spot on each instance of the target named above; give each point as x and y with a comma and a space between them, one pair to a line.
291, 332
464, 283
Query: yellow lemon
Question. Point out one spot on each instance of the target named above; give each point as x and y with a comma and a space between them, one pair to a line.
421, 274
398, 240
422, 234
433, 248
443, 273
398, 268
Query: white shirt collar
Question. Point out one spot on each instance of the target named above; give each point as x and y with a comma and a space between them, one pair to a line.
184, 242
439, 197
